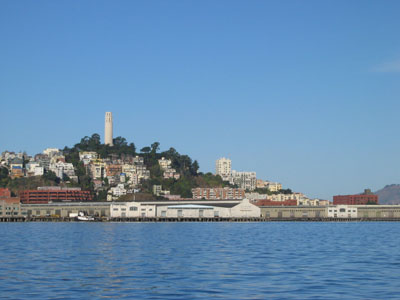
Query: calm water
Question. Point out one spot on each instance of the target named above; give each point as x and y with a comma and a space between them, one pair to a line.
200, 260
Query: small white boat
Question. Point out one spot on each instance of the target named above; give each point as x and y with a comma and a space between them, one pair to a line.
82, 217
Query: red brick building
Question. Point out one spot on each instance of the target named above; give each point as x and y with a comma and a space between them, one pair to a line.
55, 194
265, 202
361, 199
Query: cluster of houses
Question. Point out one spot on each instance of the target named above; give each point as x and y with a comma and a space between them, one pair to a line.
124, 173
52, 159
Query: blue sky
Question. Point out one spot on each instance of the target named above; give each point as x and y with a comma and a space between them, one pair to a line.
302, 92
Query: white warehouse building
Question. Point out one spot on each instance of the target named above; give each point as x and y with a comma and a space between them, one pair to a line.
185, 209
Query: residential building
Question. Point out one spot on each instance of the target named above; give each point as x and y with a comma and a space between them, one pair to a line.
33, 168
113, 170
218, 193
171, 173
157, 189
244, 180
50, 152
97, 169
62, 168
223, 168
116, 192
165, 164
43, 160
87, 156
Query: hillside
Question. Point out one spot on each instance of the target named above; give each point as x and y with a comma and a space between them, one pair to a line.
390, 194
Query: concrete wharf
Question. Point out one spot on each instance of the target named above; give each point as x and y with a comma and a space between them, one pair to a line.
163, 219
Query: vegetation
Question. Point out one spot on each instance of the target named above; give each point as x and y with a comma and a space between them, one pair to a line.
183, 164
4, 178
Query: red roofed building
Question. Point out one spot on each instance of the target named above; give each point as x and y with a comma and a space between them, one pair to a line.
265, 202
361, 199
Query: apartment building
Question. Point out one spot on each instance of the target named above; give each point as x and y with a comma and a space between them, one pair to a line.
218, 193
244, 180
223, 168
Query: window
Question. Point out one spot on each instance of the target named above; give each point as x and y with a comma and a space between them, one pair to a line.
201, 213
216, 213
115, 209
123, 209
180, 214
163, 213
342, 210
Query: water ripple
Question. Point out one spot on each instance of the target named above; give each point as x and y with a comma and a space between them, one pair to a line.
200, 261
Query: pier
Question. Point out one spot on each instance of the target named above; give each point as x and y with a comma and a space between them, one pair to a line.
175, 220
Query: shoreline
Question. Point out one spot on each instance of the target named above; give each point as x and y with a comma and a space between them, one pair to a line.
192, 220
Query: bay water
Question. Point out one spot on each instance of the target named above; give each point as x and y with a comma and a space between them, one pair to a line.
292, 260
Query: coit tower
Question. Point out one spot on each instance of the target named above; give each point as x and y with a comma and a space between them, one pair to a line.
108, 132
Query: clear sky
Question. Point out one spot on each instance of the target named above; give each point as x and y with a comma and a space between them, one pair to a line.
302, 92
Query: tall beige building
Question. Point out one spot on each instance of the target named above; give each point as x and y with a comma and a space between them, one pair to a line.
223, 168
108, 131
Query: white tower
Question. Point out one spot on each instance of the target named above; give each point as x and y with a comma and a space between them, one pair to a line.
108, 132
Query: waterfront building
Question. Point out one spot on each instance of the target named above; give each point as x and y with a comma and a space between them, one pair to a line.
218, 193
223, 168
341, 211
54, 194
361, 199
108, 129
64, 210
9, 206
185, 209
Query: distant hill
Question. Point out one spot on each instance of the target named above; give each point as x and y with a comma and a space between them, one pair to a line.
390, 194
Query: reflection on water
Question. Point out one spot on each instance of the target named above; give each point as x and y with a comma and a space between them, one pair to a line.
200, 260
